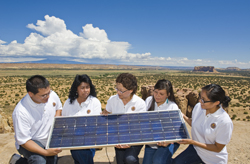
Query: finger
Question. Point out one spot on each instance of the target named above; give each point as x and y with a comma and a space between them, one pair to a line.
159, 144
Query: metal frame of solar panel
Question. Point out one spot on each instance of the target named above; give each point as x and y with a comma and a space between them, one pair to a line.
84, 132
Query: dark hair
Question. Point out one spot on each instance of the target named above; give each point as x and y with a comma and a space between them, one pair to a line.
128, 81
215, 93
163, 84
78, 80
35, 82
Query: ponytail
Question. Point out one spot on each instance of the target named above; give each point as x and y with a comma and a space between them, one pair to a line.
216, 93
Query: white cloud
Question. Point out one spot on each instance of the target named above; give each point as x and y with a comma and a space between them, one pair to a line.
50, 26
55, 40
95, 34
52, 40
2, 42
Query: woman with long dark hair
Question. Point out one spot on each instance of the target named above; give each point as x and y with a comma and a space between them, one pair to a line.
82, 101
162, 99
211, 129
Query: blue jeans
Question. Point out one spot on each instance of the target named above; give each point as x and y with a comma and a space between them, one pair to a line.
83, 156
33, 158
128, 156
188, 156
162, 155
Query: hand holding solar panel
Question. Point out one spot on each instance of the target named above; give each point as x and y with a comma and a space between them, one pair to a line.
122, 146
164, 143
105, 112
84, 132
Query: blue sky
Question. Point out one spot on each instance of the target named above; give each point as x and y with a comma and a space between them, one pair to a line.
133, 32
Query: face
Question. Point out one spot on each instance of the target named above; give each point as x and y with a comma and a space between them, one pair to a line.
160, 95
206, 103
42, 96
83, 90
122, 92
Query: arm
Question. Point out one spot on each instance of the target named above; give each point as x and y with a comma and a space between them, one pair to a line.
187, 119
105, 112
108, 106
35, 148
212, 147
97, 107
58, 107
58, 112
140, 105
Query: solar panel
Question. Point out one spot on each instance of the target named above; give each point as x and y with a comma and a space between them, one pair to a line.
84, 132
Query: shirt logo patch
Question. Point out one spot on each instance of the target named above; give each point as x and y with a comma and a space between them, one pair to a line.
133, 108
54, 104
213, 125
88, 111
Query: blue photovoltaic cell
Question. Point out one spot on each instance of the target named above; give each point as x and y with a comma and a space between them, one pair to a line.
131, 128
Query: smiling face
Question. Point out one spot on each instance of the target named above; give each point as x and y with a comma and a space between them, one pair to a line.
122, 92
160, 96
83, 90
206, 103
42, 96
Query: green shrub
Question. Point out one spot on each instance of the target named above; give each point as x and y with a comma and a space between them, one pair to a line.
234, 116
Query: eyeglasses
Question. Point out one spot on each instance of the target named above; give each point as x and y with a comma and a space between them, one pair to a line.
203, 100
121, 91
45, 95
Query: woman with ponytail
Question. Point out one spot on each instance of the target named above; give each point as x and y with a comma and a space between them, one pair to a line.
211, 129
162, 99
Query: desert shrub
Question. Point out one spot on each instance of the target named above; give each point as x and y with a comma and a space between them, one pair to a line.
245, 112
237, 105
234, 116
7, 103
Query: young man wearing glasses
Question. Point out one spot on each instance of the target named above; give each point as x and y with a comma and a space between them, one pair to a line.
32, 120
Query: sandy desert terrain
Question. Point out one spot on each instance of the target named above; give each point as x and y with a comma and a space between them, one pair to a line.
12, 89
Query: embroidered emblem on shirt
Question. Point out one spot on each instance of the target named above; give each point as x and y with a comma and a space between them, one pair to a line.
54, 104
213, 125
133, 108
88, 111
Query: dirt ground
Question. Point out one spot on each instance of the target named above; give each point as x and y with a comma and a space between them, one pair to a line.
238, 148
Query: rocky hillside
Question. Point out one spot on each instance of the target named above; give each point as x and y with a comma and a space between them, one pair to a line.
233, 69
205, 69
185, 98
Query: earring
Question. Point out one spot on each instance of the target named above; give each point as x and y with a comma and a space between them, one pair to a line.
76, 94
167, 101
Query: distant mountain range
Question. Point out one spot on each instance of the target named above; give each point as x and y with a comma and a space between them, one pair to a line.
103, 66
86, 66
